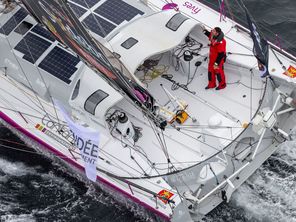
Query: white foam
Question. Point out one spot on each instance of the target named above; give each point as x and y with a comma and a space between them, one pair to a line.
17, 218
15, 168
267, 197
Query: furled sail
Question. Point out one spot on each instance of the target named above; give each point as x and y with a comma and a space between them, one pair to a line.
260, 48
57, 16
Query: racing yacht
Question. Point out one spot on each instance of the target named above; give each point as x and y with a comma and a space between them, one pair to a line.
115, 89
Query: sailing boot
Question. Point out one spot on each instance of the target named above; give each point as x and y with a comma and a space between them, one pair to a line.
221, 79
212, 80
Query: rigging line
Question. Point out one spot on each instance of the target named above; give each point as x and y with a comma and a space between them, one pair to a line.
116, 165
271, 7
101, 28
139, 165
32, 152
244, 8
217, 181
148, 125
208, 127
251, 94
250, 87
41, 76
140, 150
182, 162
291, 45
143, 153
19, 149
190, 16
128, 182
108, 155
122, 161
15, 110
59, 156
162, 144
8, 102
131, 156
219, 150
30, 115
14, 142
22, 70
99, 24
205, 102
218, 137
237, 65
147, 180
158, 138
169, 160
37, 71
26, 94
278, 59
190, 167
229, 10
260, 25
254, 21
113, 69
242, 54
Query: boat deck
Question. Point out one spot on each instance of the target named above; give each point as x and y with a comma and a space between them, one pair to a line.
219, 113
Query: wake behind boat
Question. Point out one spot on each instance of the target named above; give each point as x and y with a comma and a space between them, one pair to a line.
117, 89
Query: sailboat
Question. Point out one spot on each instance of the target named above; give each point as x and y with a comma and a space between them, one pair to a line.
116, 90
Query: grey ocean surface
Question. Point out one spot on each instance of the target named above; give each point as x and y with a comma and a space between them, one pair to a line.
36, 188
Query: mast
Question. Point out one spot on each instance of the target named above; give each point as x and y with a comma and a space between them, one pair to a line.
58, 17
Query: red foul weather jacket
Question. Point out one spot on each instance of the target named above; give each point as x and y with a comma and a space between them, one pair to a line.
217, 50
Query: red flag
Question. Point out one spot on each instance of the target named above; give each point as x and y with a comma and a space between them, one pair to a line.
291, 72
165, 195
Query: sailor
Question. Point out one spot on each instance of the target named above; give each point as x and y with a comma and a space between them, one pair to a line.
217, 58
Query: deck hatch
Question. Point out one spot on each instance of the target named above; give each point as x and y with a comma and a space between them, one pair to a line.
176, 21
94, 100
130, 42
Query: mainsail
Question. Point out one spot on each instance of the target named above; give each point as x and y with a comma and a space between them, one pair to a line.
260, 48
57, 16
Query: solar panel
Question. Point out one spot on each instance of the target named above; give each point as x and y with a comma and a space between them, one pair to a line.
38, 29
32, 47
86, 3
117, 11
77, 10
60, 63
96, 24
10, 25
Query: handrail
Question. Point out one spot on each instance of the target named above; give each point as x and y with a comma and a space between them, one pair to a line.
221, 184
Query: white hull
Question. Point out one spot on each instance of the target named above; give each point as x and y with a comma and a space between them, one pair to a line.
207, 169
